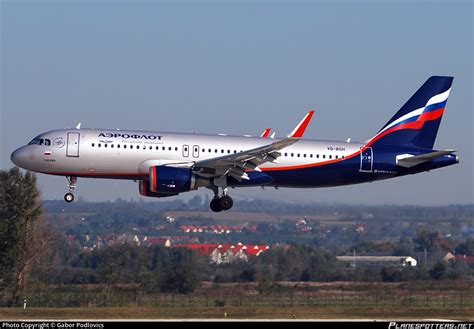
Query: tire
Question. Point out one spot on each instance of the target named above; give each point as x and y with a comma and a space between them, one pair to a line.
226, 202
69, 197
215, 205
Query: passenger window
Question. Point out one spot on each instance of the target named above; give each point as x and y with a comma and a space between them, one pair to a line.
163, 148
304, 155
228, 151
112, 146
105, 145
324, 156
298, 155
292, 154
175, 148
222, 151
99, 145
118, 146
47, 142
311, 155
169, 148
215, 150
286, 154
138, 146
342, 157
125, 146
317, 156
235, 151
92, 144
157, 148
203, 150
337, 156
330, 156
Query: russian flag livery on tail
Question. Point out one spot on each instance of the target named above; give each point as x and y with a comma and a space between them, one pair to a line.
167, 164
416, 123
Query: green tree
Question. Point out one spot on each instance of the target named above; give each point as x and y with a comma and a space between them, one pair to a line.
426, 240
23, 236
439, 270
466, 248
404, 247
184, 277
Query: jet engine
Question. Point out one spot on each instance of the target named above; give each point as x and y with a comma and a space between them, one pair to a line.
144, 189
167, 181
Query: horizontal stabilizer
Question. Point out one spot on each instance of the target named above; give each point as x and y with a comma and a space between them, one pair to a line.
410, 160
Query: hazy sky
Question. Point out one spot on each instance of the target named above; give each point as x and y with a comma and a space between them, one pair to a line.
238, 67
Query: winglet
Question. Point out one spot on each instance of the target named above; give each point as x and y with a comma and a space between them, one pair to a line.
79, 125
266, 133
298, 132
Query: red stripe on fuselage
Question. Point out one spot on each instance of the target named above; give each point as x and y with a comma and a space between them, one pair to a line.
94, 174
153, 179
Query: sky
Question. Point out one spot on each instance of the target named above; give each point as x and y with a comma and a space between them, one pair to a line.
238, 67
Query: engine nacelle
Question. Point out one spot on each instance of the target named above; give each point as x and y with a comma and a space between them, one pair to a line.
144, 189
167, 180
164, 179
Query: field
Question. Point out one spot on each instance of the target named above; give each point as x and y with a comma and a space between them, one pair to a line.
263, 312
336, 300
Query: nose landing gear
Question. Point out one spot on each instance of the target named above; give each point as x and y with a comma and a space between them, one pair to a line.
72, 181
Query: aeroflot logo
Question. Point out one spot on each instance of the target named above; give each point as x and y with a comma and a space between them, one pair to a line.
149, 137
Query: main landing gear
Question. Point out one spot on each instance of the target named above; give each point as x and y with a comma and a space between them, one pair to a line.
72, 181
224, 202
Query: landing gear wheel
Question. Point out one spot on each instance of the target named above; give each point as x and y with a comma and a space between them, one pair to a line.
215, 205
226, 202
69, 197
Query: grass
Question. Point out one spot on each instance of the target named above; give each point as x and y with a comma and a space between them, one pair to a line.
121, 313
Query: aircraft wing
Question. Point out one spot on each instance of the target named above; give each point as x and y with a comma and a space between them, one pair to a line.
234, 165
409, 160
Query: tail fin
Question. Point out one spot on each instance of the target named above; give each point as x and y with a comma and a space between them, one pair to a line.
416, 123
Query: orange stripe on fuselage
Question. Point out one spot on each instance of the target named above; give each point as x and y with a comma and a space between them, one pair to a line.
153, 179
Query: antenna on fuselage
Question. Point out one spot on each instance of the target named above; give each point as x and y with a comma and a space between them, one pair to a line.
79, 125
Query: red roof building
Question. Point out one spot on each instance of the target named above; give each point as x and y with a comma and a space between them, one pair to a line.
226, 253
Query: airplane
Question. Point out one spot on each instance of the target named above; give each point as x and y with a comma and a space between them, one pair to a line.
167, 164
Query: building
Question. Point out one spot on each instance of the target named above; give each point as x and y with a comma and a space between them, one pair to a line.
450, 257
226, 253
150, 241
213, 229
372, 261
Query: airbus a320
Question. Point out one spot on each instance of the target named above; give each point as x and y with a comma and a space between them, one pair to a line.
167, 164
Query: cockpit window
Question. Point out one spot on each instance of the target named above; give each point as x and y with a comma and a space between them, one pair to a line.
40, 141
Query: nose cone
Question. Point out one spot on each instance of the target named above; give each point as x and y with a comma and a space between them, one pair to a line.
20, 157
